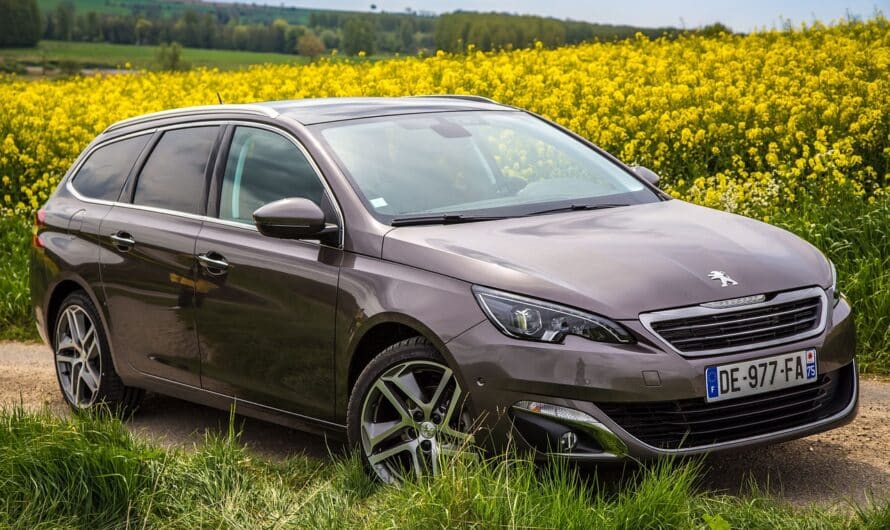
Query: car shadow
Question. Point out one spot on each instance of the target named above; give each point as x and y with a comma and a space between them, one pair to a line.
803, 471
172, 422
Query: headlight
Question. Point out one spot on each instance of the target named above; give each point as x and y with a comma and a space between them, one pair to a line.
527, 318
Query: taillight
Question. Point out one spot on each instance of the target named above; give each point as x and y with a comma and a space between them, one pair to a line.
39, 222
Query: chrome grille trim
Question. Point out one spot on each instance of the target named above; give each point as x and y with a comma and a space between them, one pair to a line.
651, 318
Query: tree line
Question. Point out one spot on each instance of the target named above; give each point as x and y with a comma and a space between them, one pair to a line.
493, 31
219, 26
387, 33
20, 23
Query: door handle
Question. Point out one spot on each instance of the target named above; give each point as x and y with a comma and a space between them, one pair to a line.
123, 241
213, 265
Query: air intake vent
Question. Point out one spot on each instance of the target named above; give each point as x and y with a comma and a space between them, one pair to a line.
694, 423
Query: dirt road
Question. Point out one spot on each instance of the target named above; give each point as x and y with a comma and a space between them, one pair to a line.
832, 468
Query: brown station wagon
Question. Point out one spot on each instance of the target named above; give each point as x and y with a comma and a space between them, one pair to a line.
425, 273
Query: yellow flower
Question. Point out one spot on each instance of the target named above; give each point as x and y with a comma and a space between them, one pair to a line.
720, 128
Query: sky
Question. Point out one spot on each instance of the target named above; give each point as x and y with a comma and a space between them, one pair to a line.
740, 16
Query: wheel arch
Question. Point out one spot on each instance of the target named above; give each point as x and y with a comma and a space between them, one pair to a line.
57, 293
381, 331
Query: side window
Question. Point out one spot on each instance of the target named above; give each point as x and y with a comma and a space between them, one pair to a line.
103, 174
173, 176
263, 167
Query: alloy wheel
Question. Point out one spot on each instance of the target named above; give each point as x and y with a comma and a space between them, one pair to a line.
411, 417
78, 356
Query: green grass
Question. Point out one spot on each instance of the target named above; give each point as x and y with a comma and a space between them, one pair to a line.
16, 322
99, 54
856, 236
89, 471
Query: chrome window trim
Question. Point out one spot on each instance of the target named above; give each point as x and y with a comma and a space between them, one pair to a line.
215, 220
647, 319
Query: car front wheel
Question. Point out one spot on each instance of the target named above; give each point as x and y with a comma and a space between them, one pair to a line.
407, 412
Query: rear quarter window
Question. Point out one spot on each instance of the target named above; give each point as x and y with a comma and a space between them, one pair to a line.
103, 174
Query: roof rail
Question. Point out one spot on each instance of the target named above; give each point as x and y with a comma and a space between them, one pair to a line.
467, 97
191, 111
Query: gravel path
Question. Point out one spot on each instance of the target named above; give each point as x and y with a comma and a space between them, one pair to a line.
833, 468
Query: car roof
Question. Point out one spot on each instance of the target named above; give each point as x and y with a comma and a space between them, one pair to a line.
323, 110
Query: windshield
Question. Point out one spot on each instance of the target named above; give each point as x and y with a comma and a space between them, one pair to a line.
493, 163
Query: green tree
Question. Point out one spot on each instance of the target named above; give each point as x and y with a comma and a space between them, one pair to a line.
714, 30
188, 29
330, 38
19, 23
64, 20
310, 45
142, 30
292, 36
358, 36
93, 27
207, 31
169, 57
240, 37
278, 31
406, 34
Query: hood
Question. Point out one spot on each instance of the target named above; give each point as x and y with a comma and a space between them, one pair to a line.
616, 262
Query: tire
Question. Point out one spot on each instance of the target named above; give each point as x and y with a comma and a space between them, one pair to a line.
82, 357
407, 411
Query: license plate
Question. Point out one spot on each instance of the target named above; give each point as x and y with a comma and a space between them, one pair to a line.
730, 381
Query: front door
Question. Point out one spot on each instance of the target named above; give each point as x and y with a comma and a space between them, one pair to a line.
265, 306
147, 260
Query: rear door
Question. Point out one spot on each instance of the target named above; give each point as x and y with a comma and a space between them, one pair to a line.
74, 214
147, 265
266, 306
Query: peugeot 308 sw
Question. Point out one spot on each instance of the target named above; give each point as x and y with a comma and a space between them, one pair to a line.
422, 274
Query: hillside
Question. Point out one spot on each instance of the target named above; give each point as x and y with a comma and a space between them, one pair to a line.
270, 28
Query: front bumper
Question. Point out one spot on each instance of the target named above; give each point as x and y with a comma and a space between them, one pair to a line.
588, 377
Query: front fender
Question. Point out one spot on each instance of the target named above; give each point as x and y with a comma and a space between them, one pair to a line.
374, 291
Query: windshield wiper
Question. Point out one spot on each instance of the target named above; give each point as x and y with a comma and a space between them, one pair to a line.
443, 219
579, 208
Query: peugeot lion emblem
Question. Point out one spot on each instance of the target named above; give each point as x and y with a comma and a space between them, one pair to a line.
725, 280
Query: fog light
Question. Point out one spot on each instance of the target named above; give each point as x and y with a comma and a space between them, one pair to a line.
555, 411
579, 421
567, 442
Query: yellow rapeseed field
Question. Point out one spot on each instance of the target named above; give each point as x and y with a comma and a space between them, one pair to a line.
744, 123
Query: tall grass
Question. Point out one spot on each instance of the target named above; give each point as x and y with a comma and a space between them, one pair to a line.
856, 236
69, 473
15, 312
88, 471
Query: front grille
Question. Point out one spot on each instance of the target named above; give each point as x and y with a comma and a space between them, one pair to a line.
693, 423
722, 330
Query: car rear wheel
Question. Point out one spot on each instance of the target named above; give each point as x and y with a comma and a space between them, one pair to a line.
83, 361
407, 412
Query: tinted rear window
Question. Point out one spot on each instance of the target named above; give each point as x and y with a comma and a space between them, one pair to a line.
103, 174
173, 175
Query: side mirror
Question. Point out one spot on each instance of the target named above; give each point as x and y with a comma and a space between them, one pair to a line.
295, 218
648, 175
